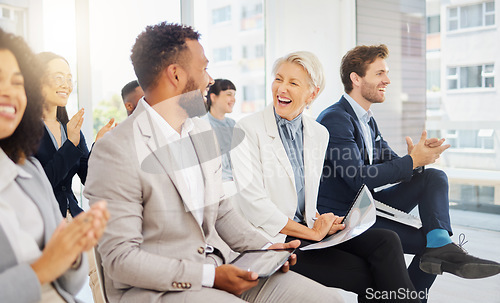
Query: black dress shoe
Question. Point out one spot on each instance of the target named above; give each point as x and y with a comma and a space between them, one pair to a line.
455, 260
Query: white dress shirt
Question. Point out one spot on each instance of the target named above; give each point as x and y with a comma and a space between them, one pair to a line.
190, 175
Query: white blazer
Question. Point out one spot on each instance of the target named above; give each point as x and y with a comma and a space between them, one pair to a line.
264, 176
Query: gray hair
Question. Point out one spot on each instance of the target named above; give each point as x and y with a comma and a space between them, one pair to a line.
310, 63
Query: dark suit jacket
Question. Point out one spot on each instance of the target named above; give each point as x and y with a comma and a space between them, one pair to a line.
347, 165
60, 166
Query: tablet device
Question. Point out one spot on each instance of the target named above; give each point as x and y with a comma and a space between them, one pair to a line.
263, 262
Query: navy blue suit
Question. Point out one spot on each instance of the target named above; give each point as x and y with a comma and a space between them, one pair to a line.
347, 167
60, 166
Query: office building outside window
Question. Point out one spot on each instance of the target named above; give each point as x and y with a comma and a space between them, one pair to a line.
235, 48
464, 108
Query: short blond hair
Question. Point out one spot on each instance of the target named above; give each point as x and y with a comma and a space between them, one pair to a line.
311, 65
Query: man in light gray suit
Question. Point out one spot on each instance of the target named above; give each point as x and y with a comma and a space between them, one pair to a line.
171, 234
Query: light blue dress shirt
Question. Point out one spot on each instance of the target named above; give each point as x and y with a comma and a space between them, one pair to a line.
363, 118
63, 136
224, 132
291, 135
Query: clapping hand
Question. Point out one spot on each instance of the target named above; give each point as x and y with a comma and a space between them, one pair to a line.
74, 126
69, 241
430, 142
427, 151
106, 128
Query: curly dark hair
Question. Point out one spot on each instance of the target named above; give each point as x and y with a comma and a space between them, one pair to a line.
44, 58
157, 47
25, 139
218, 86
357, 60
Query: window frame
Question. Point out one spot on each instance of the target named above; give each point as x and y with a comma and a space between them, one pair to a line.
454, 137
458, 77
457, 18
452, 77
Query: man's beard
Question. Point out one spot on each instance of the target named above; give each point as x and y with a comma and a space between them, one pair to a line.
370, 93
192, 101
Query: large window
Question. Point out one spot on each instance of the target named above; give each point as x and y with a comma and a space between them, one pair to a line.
476, 15
235, 49
476, 76
110, 40
464, 112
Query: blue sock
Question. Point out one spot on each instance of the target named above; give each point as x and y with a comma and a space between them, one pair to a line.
438, 238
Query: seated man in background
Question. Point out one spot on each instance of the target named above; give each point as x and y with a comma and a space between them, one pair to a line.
131, 94
357, 154
172, 234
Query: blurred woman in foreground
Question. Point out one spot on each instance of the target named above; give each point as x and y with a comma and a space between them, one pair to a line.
42, 258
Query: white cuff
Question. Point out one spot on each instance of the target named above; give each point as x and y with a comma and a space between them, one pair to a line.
275, 223
208, 275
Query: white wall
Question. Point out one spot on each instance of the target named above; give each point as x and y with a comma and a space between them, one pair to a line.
293, 25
